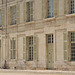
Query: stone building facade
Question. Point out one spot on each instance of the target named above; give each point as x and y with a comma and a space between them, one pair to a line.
29, 28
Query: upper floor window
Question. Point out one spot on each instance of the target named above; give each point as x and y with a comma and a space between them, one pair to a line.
50, 8
0, 19
72, 6
29, 9
13, 15
10, 0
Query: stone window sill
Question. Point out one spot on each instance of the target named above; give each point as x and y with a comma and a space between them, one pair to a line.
31, 22
49, 19
70, 15
11, 26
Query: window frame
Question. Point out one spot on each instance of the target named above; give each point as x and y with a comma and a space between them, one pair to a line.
30, 45
29, 11
12, 48
50, 8
13, 15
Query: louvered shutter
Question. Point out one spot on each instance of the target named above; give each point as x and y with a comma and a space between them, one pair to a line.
11, 48
65, 6
35, 48
69, 6
44, 8
65, 46
24, 48
3, 17
55, 7
24, 11
0, 50
14, 48
8, 16
18, 13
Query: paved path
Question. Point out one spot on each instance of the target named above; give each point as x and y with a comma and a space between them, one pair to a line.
35, 72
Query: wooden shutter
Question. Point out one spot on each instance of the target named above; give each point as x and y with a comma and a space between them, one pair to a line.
65, 46
18, 13
8, 16
24, 48
44, 8
24, 11
14, 48
35, 48
55, 7
3, 17
69, 6
11, 48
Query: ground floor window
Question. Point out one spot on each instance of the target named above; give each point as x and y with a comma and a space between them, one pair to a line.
30, 48
13, 48
50, 56
72, 46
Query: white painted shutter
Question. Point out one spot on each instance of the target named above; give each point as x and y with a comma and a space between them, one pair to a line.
65, 46
24, 48
35, 48
18, 13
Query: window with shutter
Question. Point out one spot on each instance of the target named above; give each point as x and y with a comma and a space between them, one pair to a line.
50, 8
72, 42
13, 15
30, 48
50, 51
29, 10
13, 48
72, 6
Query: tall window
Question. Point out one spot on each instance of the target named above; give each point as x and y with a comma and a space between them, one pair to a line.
13, 48
13, 15
0, 19
73, 46
30, 48
72, 6
29, 9
50, 8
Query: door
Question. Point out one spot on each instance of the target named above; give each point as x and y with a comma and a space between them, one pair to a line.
50, 51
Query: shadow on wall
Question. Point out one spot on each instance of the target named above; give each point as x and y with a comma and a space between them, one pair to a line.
5, 66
